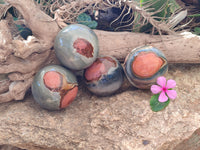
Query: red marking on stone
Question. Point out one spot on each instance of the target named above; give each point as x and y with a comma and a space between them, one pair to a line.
99, 67
146, 64
69, 97
53, 80
83, 47
95, 71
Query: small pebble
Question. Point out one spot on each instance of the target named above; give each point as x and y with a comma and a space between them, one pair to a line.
145, 142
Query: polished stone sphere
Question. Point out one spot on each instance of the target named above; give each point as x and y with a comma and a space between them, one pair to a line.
76, 46
143, 65
104, 77
54, 87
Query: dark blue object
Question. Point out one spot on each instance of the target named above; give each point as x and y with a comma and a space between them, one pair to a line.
109, 82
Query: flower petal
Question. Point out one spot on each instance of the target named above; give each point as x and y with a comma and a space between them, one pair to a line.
161, 81
155, 89
171, 84
171, 93
162, 98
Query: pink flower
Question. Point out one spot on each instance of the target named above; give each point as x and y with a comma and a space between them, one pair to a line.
164, 89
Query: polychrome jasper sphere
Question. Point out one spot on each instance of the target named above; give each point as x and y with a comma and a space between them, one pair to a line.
54, 87
143, 65
104, 76
76, 46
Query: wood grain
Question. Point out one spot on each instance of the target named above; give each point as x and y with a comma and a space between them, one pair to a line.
177, 48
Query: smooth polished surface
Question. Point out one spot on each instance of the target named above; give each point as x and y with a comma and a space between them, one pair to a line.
146, 64
54, 87
104, 77
76, 46
143, 65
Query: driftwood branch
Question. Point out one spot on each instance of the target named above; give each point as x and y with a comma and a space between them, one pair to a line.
37, 20
182, 48
21, 59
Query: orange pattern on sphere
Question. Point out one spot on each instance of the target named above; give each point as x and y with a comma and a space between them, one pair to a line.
53, 80
146, 64
83, 47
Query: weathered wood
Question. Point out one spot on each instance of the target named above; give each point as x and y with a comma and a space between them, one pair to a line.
182, 48
25, 57
193, 142
122, 121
